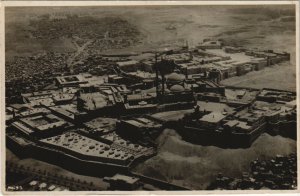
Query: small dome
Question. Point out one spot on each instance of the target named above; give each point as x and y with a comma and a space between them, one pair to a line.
150, 90
187, 88
175, 77
167, 90
177, 88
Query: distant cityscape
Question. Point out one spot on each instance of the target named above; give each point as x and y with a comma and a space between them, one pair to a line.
150, 98
102, 116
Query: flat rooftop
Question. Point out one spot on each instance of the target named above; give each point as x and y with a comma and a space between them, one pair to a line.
93, 101
143, 74
32, 111
127, 63
70, 90
239, 57
102, 122
47, 101
240, 94
86, 146
143, 122
20, 140
125, 145
214, 107
277, 93
62, 97
68, 110
43, 122
213, 117
171, 115
73, 79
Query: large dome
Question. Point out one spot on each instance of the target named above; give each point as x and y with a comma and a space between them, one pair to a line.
175, 77
176, 88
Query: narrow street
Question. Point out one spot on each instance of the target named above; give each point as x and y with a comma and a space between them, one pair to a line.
80, 49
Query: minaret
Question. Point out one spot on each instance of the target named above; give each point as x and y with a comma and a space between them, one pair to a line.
187, 44
156, 72
14, 113
79, 102
162, 78
186, 73
190, 55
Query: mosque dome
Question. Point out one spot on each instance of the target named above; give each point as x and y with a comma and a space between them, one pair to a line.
175, 77
151, 90
176, 88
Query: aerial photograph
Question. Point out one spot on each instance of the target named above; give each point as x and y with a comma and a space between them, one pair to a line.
150, 98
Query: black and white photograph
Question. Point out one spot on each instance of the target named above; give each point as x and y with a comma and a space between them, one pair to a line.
171, 97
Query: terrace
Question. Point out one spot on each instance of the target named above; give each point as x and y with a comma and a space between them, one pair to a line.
85, 147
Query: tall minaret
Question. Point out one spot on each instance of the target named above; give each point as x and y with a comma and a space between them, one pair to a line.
156, 72
187, 44
79, 102
190, 55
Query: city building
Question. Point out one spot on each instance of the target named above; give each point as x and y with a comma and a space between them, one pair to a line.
74, 80
123, 182
210, 44
40, 125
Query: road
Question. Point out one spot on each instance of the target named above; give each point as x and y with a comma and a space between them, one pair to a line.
71, 182
79, 50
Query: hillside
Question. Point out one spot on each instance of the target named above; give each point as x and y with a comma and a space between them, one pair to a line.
195, 166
